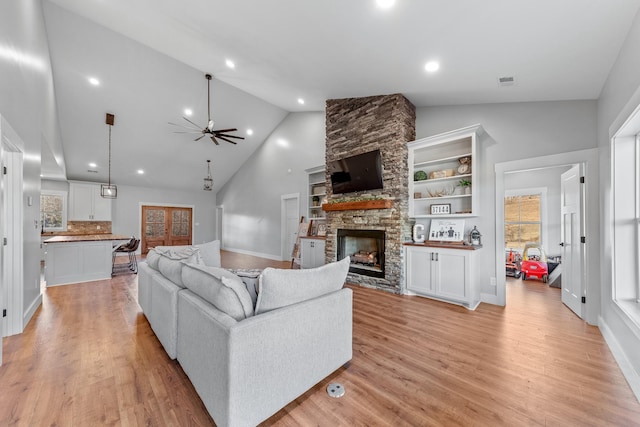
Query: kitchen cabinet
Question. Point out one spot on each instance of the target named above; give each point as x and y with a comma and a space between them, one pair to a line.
311, 252
442, 273
86, 204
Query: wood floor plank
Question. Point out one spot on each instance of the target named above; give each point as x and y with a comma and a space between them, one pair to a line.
89, 357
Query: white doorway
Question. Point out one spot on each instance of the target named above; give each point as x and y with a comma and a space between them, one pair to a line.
219, 223
589, 289
290, 218
12, 259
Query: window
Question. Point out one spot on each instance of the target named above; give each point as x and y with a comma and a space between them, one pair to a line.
53, 210
625, 168
522, 219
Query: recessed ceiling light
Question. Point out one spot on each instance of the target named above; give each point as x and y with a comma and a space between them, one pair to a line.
300, 101
94, 81
385, 4
230, 64
432, 66
188, 111
282, 142
249, 131
92, 165
140, 172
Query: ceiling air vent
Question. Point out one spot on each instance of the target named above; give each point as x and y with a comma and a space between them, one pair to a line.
92, 171
506, 81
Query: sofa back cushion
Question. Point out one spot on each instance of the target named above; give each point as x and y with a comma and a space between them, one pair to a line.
153, 257
171, 261
221, 288
279, 288
210, 253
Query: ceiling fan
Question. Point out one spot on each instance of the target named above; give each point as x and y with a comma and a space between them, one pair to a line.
214, 134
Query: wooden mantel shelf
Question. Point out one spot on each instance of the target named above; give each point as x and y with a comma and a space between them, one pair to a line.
352, 206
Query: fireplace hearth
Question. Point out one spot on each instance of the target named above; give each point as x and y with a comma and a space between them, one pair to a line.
366, 249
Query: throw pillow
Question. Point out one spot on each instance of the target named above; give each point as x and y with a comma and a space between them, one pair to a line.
279, 288
223, 289
171, 262
210, 253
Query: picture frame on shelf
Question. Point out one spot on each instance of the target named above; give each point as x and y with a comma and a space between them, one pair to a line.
321, 230
447, 230
440, 209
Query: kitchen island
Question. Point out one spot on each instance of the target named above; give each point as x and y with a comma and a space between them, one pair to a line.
79, 258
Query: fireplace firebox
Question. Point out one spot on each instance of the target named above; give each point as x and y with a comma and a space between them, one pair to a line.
366, 249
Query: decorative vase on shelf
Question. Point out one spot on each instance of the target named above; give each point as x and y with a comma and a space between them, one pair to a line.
467, 190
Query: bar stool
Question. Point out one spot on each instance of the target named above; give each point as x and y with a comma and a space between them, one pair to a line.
130, 249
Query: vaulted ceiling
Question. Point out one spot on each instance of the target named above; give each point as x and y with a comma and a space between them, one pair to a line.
151, 56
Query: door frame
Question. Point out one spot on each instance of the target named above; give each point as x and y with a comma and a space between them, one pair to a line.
166, 205
591, 268
283, 223
220, 224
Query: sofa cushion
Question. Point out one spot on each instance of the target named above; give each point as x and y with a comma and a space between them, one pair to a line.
153, 257
171, 262
279, 288
210, 253
223, 289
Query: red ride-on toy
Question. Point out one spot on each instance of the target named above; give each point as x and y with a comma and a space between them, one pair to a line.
534, 263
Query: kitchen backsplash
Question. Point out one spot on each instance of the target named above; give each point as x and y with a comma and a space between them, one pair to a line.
89, 227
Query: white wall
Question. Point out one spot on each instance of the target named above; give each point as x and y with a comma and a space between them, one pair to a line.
619, 97
251, 199
126, 209
513, 131
28, 103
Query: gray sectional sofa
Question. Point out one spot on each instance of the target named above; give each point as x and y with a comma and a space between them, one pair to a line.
247, 361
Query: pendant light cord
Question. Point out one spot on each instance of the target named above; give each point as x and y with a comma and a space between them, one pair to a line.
109, 155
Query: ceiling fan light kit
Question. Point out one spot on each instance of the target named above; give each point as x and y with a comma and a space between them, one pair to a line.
109, 191
214, 134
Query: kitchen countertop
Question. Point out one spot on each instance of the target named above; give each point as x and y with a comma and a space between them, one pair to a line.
87, 238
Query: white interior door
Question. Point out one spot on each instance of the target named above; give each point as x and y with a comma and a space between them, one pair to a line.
572, 247
290, 220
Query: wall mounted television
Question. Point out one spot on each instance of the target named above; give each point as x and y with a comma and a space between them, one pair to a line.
362, 172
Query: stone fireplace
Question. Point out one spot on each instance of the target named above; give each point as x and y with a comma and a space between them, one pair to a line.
355, 126
366, 249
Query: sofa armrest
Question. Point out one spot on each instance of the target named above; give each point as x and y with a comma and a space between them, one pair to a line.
247, 371
279, 355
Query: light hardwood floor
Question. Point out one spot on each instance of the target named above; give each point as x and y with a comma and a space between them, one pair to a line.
89, 358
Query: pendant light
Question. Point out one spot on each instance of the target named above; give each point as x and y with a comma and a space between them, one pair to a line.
208, 181
109, 191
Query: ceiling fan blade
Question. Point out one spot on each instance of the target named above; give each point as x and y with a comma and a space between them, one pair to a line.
191, 122
225, 130
225, 139
199, 138
190, 131
230, 136
214, 140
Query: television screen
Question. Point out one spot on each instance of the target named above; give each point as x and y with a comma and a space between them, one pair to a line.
356, 173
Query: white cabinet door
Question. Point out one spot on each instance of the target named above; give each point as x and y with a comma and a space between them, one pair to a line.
312, 253
419, 270
441, 273
450, 277
101, 207
86, 204
80, 201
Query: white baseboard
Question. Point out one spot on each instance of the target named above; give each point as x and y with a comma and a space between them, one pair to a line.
630, 374
26, 318
258, 254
